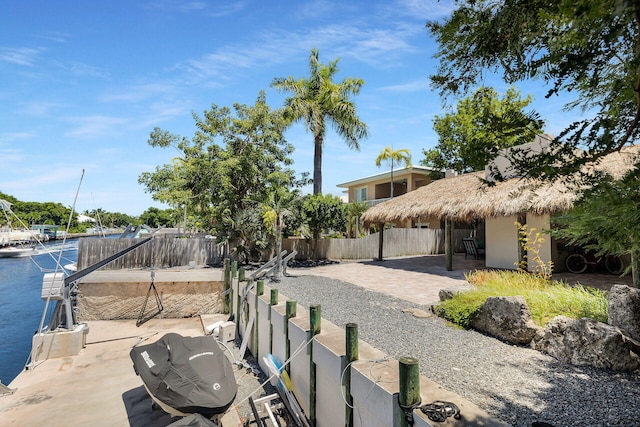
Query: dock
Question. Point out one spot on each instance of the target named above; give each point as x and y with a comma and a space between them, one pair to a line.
97, 387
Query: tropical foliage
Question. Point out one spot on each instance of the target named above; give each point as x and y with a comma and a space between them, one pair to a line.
393, 157
606, 220
318, 101
482, 125
584, 48
223, 174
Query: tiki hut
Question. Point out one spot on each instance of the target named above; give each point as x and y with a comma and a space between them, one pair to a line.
468, 197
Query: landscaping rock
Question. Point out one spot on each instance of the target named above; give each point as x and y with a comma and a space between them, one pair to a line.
445, 294
624, 310
507, 318
589, 342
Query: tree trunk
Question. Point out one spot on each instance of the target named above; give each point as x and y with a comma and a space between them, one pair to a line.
392, 177
317, 164
381, 242
278, 269
448, 244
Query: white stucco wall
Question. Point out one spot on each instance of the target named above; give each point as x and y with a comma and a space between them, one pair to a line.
501, 240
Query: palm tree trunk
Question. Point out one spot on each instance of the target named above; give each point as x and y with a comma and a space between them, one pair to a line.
392, 177
317, 165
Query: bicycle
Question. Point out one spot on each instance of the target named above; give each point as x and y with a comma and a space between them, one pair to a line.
579, 263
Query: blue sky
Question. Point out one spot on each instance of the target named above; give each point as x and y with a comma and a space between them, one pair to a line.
83, 83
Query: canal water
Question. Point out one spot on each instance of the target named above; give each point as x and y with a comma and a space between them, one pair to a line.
21, 306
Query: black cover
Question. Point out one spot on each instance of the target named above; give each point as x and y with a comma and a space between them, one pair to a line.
189, 374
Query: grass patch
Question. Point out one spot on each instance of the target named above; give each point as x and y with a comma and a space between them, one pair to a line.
546, 299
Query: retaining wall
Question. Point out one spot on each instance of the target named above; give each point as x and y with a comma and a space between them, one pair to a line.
374, 376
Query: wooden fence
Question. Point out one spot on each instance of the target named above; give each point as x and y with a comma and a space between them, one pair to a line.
158, 253
167, 252
397, 242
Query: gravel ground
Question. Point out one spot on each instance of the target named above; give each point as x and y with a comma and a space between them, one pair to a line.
515, 384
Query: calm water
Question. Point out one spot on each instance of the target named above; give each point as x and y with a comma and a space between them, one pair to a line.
20, 304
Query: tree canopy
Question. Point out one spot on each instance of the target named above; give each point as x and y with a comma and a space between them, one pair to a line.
224, 171
482, 124
392, 157
587, 49
316, 101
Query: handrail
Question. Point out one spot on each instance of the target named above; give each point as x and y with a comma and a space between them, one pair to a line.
269, 265
286, 260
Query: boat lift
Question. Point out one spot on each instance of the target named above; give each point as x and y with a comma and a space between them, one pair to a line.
58, 288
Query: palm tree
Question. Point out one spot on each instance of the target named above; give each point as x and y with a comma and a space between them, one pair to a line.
317, 100
354, 212
390, 155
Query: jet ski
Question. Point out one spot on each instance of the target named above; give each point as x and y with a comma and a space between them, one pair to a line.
186, 375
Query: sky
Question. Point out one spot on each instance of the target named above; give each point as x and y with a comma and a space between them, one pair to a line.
83, 83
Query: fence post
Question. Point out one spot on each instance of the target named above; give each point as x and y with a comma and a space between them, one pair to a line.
259, 291
314, 320
409, 394
234, 269
291, 312
241, 274
351, 356
273, 301
226, 306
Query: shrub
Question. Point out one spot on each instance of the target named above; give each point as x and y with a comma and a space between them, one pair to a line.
546, 299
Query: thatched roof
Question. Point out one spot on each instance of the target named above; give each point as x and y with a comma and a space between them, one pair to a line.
467, 196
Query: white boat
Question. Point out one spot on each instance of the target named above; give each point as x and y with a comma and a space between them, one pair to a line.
13, 251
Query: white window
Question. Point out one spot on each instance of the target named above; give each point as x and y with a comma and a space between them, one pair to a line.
361, 194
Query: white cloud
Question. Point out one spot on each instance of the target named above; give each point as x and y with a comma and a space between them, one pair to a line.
96, 125
20, 56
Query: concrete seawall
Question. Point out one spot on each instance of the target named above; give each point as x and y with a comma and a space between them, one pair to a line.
115, 295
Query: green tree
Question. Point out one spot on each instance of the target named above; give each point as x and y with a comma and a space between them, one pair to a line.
276, 208
155, 217
323, 212
606, 219
392, 156
354, 212
224, 171
317, 100
586, 48
482, 125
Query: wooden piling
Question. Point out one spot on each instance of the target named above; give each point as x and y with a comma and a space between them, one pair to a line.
291, 312
315, 318
273, 301
409, 393
226, 302
351, 356
259, 292
234, 269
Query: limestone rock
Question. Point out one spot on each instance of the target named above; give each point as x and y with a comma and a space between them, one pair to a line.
589, 342
445, 294
507, 318
416, 312
624, 310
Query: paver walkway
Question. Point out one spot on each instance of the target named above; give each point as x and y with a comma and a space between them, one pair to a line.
418, 279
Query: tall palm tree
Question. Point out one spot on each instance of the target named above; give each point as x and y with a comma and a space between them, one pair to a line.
390, 155
317, 100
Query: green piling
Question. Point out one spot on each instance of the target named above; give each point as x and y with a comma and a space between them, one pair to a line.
234, 269
241, 274
409, 395
226, 302
273, 301
291, 312
314, 321
259, 291
351, 356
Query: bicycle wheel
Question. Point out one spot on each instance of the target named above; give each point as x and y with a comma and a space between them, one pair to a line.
576, 263
614, 264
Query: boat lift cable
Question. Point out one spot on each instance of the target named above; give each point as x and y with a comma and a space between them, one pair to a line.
46, 305
64, 240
